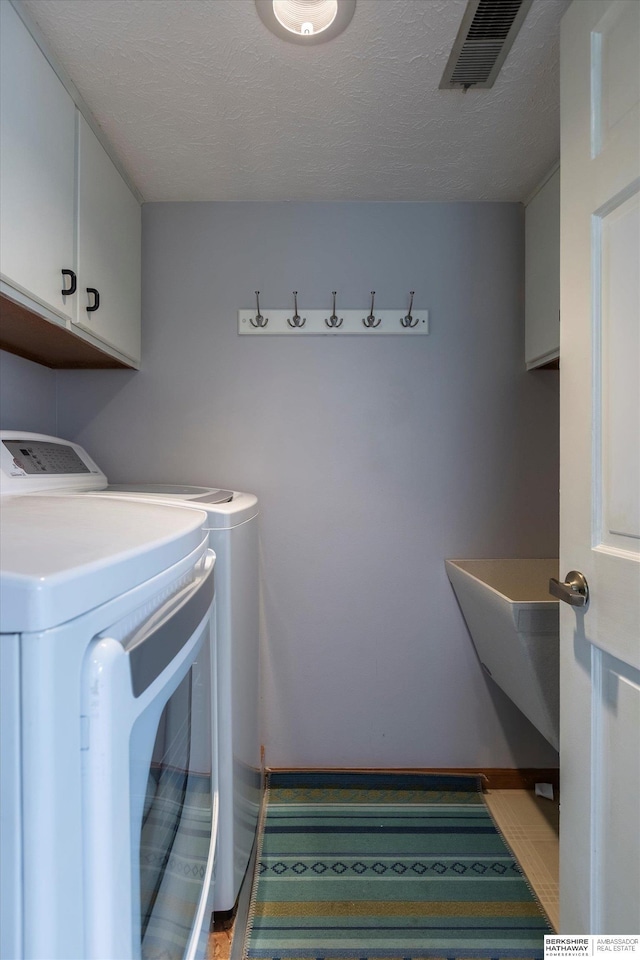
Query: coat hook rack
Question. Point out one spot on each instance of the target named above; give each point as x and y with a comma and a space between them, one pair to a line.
258, 320
333, 321
414, 322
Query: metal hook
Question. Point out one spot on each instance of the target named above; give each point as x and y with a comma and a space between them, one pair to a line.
333, 319
371, 321
409, 321
259, 321
296, 320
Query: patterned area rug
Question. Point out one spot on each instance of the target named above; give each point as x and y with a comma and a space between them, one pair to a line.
357, 866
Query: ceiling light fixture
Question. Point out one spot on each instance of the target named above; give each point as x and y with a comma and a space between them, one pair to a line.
306, 21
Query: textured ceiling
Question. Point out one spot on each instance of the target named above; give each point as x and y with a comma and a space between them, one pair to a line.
201, 102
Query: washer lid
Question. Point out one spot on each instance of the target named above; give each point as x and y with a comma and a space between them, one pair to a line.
63, 556
181, 491
225, 508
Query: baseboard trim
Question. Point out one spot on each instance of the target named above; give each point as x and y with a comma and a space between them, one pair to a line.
494, 778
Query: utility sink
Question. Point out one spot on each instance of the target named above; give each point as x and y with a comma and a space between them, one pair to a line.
514, 626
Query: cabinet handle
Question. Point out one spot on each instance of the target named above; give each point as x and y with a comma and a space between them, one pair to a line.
72, 283
96, 300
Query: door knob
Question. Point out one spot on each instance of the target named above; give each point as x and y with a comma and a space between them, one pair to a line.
574, 590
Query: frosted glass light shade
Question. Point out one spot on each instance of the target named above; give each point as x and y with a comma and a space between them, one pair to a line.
305, 17
306, 21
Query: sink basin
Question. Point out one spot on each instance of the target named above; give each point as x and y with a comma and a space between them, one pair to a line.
514, 626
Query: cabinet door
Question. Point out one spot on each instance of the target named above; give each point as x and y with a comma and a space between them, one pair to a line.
37, 156
109, 240
542, 274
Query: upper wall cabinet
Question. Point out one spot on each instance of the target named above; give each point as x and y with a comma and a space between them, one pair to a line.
109, 243
542, 275
70, 228
37, 184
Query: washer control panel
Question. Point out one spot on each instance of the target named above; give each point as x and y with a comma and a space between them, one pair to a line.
44, 456
30, 462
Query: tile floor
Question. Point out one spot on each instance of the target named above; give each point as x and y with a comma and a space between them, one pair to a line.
528, 823
220, 945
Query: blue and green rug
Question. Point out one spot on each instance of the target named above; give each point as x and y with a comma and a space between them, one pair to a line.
359, 866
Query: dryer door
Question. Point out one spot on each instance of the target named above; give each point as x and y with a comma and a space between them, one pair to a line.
150, 783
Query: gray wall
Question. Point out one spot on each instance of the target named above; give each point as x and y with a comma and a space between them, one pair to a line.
27, 395
374, 459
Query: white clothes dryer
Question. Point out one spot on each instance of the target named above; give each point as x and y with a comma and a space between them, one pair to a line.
232, 525
108, 788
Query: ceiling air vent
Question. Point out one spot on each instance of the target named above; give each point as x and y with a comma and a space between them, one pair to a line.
484, 39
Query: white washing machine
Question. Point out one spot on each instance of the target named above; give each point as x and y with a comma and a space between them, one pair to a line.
232, 524
108, 786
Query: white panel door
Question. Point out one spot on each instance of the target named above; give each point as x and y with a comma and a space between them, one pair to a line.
600, 466
37, 159
109, 249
